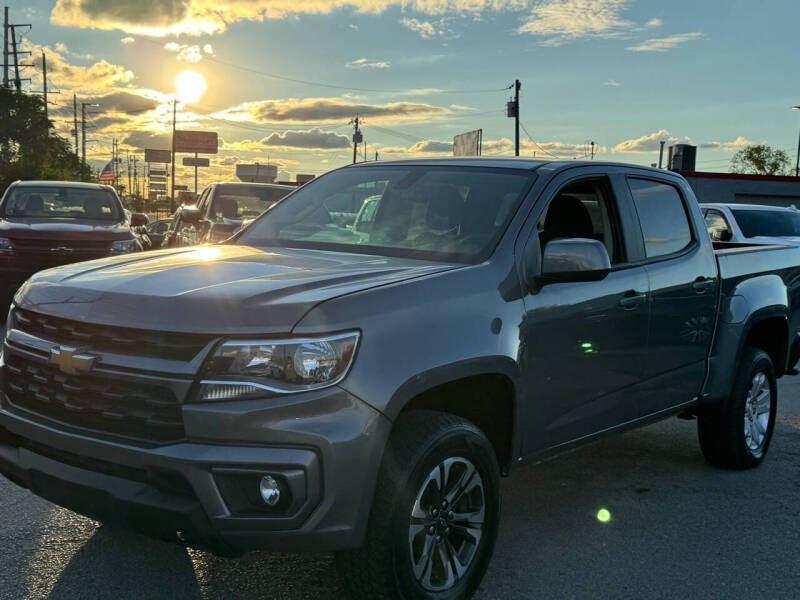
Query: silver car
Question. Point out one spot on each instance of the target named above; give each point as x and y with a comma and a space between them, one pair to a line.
749, 223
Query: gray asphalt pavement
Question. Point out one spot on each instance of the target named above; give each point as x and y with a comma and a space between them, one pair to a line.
678, 529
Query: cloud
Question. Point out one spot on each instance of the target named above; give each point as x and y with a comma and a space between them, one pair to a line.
188, 53
97, 77
665, 44
127, 40
196, 17
353, 26
612, 83
311, 139
646, 143
320, 110
149, 139
654, 22
737, 144
425, 29
363, 63
547, 150
560, 21
125, 102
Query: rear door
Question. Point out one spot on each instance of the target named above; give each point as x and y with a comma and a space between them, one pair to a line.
682, 270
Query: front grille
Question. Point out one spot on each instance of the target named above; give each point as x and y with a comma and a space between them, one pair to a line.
41, 254
117, 340
135, 411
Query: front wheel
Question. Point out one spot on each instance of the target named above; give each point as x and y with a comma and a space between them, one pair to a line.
736, 434
434, 519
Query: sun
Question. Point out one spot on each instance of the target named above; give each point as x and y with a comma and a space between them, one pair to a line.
190, 85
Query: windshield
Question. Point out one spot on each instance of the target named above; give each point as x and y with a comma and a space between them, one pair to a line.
52, 202
768, 223
435, 213
238, 202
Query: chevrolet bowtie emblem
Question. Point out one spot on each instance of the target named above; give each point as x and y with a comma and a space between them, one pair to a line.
62, 249
69, 361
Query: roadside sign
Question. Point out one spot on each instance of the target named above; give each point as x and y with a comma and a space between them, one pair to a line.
158, 172
181, 188
157, 178
468, 144
203, 142
157, 156
189, 161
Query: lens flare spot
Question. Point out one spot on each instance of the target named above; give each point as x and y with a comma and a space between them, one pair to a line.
206, 253
603, 515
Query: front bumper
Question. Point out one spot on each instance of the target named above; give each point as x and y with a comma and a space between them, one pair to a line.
325, 447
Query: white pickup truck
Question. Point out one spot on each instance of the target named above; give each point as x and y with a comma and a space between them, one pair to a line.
752, 223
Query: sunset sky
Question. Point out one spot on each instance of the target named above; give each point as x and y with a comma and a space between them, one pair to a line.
284, 77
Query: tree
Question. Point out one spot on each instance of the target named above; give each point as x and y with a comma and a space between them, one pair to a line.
29, 149
760, 159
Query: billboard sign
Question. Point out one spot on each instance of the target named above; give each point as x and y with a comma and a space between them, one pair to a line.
257, 173
157, 178
203, 142
158, 172
158, 187
189, 161
157, 156
468, 144
181, 188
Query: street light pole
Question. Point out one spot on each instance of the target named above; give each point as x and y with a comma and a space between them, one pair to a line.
797, 163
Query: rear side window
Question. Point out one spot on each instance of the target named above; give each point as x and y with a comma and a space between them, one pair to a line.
665, 224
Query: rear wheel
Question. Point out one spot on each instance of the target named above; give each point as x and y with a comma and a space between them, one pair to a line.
434, 519
737, 433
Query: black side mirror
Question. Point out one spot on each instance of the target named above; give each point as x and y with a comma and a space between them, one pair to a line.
139, 219
725, 235
575, 259
190, 214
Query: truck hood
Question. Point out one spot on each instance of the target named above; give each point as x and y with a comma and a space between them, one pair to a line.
224, 289
62, 229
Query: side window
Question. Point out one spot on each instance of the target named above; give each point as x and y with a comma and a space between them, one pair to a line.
584, 209
665, 224
717, 226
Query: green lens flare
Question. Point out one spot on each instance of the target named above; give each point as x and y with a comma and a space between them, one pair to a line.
603, 515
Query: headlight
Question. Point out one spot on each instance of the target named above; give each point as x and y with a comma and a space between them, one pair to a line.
123, 246
240, 369
5, 244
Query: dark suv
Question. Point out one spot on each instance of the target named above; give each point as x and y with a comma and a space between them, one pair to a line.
355, 380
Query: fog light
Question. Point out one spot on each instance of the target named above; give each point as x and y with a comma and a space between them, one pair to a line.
270, 490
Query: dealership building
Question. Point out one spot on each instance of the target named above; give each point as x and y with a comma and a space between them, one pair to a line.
730, 188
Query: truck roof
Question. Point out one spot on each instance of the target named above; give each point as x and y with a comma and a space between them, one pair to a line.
733, 205
522, 163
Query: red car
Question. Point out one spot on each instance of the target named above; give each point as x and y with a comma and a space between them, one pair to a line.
45, 224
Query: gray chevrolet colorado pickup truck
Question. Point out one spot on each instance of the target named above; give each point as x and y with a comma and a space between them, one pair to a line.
311, 385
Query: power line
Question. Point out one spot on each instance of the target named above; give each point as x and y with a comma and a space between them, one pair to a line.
538, 146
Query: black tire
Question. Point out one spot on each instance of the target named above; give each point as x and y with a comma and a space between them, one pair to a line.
384, 566
721, 429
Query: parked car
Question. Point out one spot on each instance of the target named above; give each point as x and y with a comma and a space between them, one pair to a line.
221, 210
743, 223
308, 386
49, 223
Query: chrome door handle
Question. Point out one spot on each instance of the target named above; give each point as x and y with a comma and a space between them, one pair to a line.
632, 299
702, 284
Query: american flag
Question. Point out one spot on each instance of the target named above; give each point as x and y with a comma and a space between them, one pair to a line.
107, 174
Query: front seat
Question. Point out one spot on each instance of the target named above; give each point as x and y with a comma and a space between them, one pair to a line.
93, 208
567, 217
34, 206
228, 208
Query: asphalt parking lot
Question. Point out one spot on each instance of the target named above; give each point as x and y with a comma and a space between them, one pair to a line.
678, 529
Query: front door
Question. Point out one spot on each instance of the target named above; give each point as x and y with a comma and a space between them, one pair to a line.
583, 343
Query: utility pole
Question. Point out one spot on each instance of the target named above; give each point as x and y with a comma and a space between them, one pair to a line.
83, 132
75, 118
44, 82
5, 49
357, 138
661, 153
512, 108
172, 186
135, 178
593, 145
128, 162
